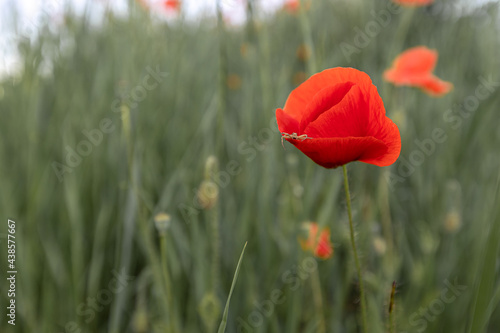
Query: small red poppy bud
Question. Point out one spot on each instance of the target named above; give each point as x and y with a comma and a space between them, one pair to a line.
320, 245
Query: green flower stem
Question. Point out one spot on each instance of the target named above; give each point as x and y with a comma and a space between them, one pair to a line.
215, 250
163, 255
222, 79
312, 66
392, 324
318, 301
355, 251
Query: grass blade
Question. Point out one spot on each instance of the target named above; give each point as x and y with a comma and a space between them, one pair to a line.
222, 327
487, 276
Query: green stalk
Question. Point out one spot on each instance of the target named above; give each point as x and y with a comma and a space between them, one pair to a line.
392, 325
214, 224
402, 31
386, 217
355, 251
163, 254
312, 66
318, 300
222, 80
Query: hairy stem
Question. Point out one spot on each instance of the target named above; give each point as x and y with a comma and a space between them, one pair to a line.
355, 251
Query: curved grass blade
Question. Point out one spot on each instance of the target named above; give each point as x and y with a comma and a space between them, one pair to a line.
486, 277
222, 327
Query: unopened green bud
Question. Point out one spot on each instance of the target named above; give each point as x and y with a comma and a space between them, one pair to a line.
211, 167
162, 222
210, 311
208, 194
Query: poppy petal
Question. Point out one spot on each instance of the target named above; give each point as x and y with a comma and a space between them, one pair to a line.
334, 152
389, 134
323, 102
324, 249
320, 244
417, 60
436, 86
345, 118
286, 124
401, 78
414, 3
301, 96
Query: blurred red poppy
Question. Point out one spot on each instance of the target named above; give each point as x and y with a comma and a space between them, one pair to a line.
320, 246
414, 67
414, 3
292, 6
172, 5
336, 117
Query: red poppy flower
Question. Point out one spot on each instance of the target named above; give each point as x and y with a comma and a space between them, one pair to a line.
292, 6
320, 246
413, 3
336, 117
414, 67
172, 5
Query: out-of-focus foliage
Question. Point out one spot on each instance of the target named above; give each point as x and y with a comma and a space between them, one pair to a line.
429, 221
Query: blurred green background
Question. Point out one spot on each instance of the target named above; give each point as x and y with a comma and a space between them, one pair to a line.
205, 120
